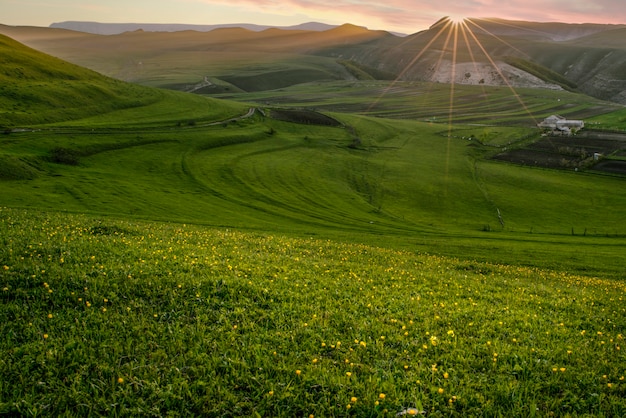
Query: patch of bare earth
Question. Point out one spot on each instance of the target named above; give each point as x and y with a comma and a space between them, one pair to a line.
587, 150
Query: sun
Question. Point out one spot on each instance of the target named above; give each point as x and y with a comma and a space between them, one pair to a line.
457, 20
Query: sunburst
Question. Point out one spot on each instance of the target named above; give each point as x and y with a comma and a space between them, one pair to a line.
449, 36
457, 20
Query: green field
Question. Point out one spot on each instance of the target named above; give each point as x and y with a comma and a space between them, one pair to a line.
432, 102
396, 188
172, 254
121, 317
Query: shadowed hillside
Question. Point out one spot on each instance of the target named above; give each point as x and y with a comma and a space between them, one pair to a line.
227, 58
586, 57
37, 89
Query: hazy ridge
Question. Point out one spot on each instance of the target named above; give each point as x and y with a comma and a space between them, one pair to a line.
590, 58
98, 28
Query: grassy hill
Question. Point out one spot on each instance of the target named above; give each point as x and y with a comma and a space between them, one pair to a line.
39, 89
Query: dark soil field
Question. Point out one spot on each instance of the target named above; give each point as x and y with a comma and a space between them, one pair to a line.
611, 166
573, 152
304, 116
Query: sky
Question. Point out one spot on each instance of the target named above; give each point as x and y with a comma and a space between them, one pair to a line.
405, 16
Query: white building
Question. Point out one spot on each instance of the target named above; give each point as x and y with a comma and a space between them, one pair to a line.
561, 124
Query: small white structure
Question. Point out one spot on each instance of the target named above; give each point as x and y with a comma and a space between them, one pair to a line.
560, 124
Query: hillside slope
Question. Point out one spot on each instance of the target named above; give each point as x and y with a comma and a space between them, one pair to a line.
37, 88
180, 158
227, 58
588, 57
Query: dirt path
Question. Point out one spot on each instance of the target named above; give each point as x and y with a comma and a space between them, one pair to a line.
249, 114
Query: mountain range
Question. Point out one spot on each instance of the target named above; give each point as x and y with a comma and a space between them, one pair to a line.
587, 58
98, 28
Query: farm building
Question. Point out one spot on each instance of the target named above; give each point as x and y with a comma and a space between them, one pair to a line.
560, 124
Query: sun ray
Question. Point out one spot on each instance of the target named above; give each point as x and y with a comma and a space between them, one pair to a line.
501, 23
408, 66
448, 25
499, 71
456, 30
496, 37
464, 29
469, 50
457, 20
455, 43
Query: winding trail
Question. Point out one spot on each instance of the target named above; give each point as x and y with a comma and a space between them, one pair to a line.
249, 114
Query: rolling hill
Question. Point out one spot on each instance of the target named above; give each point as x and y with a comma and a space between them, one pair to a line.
179, 59
186, 158
588, 58
36, 89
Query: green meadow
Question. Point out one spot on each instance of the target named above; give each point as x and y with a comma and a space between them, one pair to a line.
169, 254
121, 317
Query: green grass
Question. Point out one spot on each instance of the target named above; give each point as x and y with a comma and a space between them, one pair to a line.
431, 102
38, 89
610, 121
117, 317
276, 176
